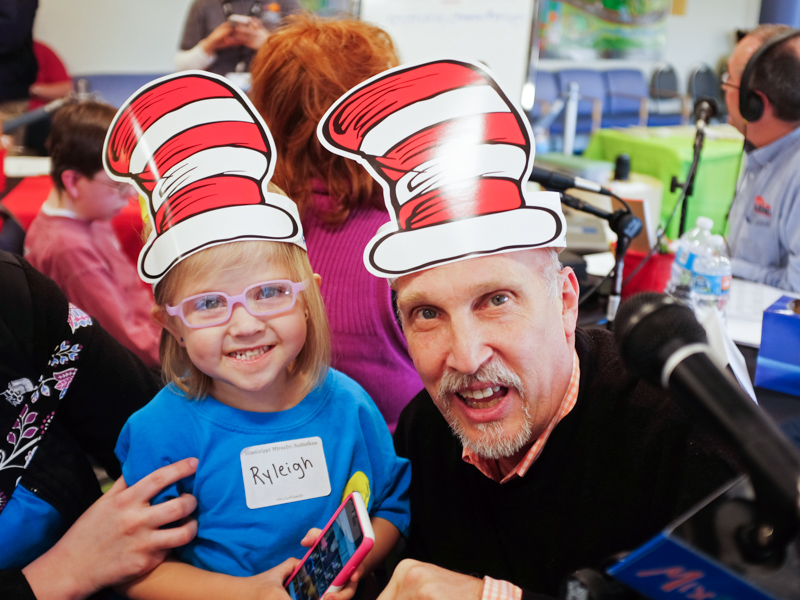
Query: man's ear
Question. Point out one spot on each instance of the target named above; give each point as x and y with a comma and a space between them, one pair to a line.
160, 317
570, 294
69, 179
768, 108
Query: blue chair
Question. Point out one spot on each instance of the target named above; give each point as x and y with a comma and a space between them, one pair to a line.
704, 83
627, 98
545, 93
668, 106
592, 91
545, 101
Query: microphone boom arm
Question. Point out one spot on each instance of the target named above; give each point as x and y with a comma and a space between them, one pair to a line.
626, 226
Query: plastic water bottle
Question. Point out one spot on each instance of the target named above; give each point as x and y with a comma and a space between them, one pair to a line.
711, 284
692, 244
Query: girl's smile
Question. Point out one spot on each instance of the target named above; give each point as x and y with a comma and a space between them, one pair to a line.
248, 357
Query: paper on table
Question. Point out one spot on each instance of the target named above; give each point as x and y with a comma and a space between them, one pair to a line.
725, 351
26, 166
746, 305
599, 264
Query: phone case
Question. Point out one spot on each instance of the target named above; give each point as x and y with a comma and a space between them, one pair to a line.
363, 549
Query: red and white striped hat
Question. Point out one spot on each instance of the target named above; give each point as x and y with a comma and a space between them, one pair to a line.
200, 154
453, 155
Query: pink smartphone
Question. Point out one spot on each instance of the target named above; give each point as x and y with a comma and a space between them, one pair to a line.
340, 548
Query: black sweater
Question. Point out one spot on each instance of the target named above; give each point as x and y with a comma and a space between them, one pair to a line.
615, 471
110, 384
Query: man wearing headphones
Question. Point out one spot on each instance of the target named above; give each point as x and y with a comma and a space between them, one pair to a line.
762, 93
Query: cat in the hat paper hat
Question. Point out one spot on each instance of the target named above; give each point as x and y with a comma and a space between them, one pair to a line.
453, 155
201, 156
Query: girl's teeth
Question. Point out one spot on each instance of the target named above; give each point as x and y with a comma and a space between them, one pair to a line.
249, 353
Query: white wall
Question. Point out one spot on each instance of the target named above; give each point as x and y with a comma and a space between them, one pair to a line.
112, 36
141, 36
707, 33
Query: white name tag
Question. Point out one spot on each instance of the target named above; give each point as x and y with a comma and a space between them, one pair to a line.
284, 472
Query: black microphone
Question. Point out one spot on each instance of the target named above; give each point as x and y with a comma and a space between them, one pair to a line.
660, 339
559, 182
80, 95
705, 109
34, 115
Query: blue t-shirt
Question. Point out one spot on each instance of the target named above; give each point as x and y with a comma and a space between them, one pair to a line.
233, 538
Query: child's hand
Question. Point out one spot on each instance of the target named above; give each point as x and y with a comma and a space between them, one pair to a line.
269, 584
349, 590
311, 537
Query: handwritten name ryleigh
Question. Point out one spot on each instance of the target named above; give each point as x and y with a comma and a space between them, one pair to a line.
296, 469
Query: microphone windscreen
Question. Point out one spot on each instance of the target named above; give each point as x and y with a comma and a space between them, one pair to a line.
648, 327
705, 108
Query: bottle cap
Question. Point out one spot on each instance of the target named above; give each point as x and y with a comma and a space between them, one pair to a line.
705, 223
622, 168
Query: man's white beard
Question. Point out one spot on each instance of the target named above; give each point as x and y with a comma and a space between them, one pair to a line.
492, 443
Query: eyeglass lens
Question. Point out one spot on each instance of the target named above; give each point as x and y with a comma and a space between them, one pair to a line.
262, 298
122, 189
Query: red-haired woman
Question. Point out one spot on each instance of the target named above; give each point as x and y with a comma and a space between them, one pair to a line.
297, 75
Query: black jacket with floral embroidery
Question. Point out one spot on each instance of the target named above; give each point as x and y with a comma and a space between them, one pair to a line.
48, 347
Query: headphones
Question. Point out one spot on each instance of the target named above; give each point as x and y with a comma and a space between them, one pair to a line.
751, 106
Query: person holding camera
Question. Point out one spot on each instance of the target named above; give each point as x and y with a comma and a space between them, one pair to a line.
222, 37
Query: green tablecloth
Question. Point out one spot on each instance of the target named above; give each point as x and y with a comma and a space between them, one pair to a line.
664, 152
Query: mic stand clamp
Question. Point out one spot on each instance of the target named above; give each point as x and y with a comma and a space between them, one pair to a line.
626, 226
688, 185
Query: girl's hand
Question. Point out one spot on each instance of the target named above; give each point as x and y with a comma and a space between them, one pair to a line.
349, 590
311, 537
269, 584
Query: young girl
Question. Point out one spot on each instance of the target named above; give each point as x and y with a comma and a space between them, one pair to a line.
280, 437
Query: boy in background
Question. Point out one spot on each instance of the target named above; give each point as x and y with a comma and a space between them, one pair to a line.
71, 239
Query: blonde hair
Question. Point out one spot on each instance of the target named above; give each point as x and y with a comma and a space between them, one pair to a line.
315, 356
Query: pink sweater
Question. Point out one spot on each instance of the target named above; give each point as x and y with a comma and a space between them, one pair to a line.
367, 342
86, 261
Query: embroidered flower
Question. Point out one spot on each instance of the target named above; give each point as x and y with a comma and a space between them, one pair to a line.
63, 379
23, 439
77, 318
65, 353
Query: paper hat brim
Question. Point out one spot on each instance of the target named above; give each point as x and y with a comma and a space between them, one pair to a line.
277, 221
394, 253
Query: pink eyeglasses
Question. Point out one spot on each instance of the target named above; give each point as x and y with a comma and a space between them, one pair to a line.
214, 308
